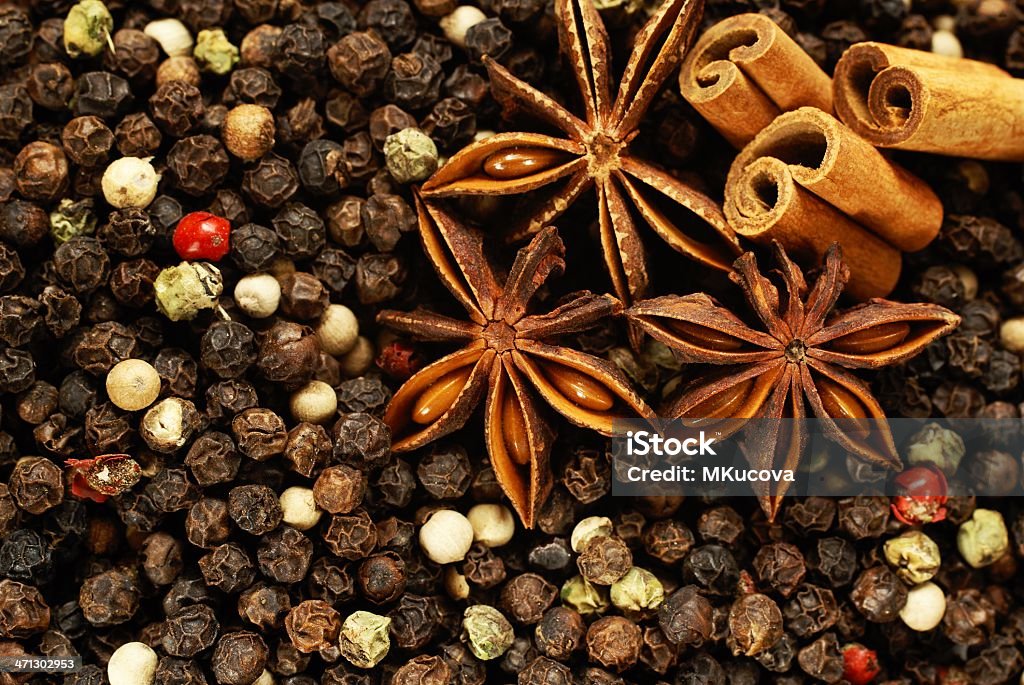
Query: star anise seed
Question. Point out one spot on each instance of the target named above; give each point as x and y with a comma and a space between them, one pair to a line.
509, 356
801, 356
595, 152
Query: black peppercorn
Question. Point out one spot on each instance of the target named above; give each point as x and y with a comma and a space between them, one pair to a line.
16, 110
228, 568
359, 62
239, 658
352, 536
137, 136
208, 523
288, 354
381, 577
228, 349
109, 598
102, 94
198, 164
284, 555
414, 81
23, 611
87, 140
254, 508
132, 282
265, 606
15, 35
177, 108
41, 171
25, 554
271, 182
301, 52
490, 37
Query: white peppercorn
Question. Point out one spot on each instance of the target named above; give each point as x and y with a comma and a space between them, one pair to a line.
172, 35
493, 524
265, 678
1011, 334
946, 43
168, 424
456, 24
590, 527
455, 584
258, 295
130, 182
337, 330
446, 536
315, 402
359, 359
925, 607
133, 384
298, 508
133, 663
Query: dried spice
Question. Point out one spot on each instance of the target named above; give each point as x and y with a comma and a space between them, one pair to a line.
801, 356
596, 148
505, 350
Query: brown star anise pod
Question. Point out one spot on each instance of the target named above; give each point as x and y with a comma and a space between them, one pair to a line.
801, 355
595, 151
508, 355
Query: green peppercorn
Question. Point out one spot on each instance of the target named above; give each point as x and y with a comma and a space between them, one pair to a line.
914, 556
364, 639
410, 155
583, 596
983, 539
184, 290
937, 445
488, 632
214, 52
637, 591
70, 219
87, 29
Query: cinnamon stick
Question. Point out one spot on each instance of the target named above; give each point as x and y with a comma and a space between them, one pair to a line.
912, 100
807, 181
745, 71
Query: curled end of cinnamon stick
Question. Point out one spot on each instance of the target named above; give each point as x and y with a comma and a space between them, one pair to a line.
744, 71
877, 99
806, 180
913, 100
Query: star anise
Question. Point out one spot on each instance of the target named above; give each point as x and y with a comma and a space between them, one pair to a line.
801, 355
509, 355
595, 151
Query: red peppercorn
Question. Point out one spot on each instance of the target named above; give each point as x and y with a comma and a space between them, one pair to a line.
399, 360
923, 494
201, 235
101, 477
860, 664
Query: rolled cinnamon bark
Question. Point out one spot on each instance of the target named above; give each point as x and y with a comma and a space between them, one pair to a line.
807, 181
745, 71
912, 100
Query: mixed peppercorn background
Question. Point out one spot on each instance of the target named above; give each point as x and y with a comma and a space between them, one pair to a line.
195, 559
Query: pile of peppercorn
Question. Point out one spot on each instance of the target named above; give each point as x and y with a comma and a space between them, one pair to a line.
204, 204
